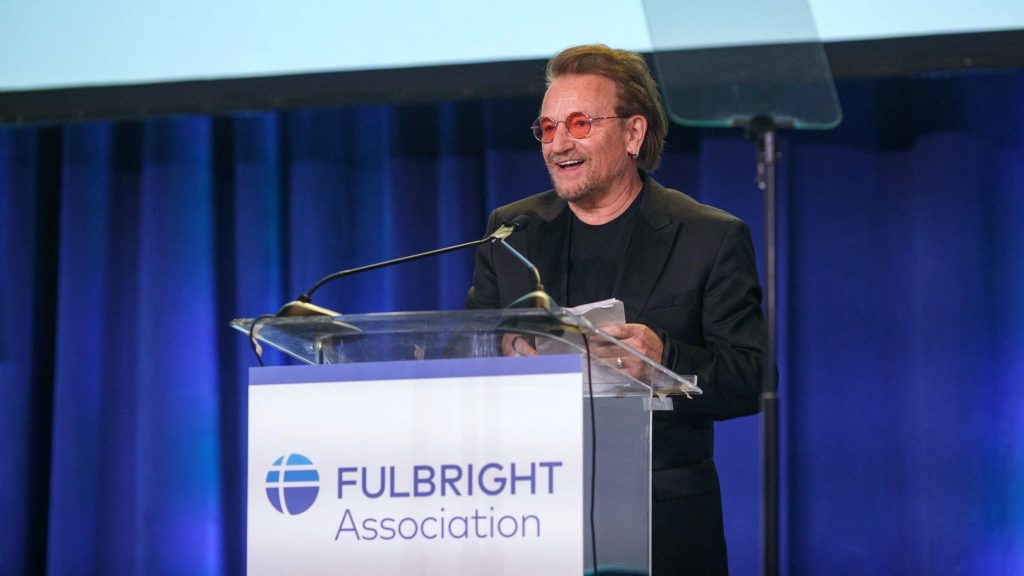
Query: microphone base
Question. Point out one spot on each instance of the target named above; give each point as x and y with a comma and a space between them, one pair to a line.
298, 308
535, 299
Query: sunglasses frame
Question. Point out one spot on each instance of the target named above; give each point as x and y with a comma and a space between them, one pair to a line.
535, 128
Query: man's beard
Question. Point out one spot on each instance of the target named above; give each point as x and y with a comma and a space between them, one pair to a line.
591, 187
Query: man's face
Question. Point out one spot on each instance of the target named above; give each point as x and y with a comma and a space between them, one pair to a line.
591, 167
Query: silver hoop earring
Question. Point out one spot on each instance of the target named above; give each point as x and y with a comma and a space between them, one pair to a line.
632, 155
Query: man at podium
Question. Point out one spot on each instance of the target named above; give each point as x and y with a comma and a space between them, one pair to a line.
685, 272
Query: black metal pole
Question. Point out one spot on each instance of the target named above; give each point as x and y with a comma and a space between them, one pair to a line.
762, 129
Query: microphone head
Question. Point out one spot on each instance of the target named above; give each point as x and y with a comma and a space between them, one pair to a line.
519, 223
510, 227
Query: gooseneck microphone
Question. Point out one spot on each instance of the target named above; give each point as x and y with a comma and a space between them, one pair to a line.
539, 298
303, 305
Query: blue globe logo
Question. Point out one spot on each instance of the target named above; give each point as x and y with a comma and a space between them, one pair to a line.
292, 484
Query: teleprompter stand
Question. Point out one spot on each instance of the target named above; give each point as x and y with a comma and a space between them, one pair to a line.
760, 67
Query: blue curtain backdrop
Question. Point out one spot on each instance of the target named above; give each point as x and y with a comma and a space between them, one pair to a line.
128, 246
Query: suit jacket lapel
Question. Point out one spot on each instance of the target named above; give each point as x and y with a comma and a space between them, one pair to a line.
648, 250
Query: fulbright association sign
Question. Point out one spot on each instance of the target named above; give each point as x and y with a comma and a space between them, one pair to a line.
470, 466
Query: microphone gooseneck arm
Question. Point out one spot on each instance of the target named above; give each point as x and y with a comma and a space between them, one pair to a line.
539, 298
303, 305
537, 285
308, 295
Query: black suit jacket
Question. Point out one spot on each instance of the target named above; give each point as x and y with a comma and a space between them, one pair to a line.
690, 274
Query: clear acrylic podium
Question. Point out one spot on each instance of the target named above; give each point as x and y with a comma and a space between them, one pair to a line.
622, 404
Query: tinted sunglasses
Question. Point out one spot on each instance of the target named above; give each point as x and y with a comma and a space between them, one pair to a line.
577, 123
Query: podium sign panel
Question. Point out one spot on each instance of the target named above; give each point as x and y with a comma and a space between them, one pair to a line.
448, 466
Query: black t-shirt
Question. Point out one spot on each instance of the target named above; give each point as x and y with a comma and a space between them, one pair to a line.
595, 256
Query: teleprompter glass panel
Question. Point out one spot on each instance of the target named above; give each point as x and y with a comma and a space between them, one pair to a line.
721, 63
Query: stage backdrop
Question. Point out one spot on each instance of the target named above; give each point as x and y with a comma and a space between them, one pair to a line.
127, 247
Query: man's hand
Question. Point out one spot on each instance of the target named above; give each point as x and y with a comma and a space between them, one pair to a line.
637, 336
